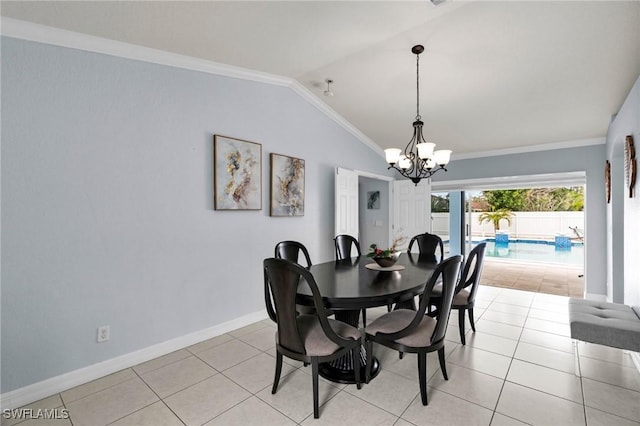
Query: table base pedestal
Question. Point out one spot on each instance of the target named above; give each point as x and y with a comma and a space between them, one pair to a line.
341, 370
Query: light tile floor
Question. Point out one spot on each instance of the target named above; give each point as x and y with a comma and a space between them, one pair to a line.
518, 368
563, 280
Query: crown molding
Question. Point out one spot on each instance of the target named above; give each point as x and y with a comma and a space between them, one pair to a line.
531, 148
24, 30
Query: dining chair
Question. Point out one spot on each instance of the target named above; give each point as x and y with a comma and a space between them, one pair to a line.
465, 293
428, 244
290, 250
310, 338
344, 244
411, 331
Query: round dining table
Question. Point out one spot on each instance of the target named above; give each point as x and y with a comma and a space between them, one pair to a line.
347, 286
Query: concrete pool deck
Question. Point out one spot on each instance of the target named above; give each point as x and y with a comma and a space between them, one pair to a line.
558, 279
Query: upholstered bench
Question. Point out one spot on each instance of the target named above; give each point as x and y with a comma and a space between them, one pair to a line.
609, 324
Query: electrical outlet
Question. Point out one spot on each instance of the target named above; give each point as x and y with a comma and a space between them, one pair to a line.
104, 333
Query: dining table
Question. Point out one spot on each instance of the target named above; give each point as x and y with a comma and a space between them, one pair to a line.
349, 285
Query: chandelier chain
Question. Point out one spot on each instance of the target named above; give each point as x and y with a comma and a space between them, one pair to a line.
418, 87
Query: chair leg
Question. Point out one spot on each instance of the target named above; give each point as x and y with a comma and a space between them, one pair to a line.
401, 354
276, 379
357, 365
364, 318
422, 376
443, 366
314, 368
461, 325
471, 320
368, 344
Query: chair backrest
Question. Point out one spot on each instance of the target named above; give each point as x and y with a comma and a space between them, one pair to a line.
281, 281
471, 273
290, 250
343, 243
428, 244
447, 272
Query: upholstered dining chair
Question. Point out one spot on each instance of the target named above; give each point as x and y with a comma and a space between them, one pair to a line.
344, 244
428, 244
411, 331
465, 294
310, 338
290, 250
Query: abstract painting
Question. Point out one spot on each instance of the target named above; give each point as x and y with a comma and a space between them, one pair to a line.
373, 200
238, 174
287, 186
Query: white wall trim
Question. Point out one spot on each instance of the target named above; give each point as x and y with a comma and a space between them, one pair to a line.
597, 297
30, 31
512, 182
635, 357
36, 391
531, 148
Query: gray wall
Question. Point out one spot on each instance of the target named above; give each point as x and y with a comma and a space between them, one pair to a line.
374, 223
589, 159
623, 214
107, 202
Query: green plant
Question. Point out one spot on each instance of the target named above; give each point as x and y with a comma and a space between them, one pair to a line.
375, 251
495, 217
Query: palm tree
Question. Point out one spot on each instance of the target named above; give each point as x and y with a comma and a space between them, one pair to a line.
495, 217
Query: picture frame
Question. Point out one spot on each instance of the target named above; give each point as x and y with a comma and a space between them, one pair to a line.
237, 172
373, 200
287, 186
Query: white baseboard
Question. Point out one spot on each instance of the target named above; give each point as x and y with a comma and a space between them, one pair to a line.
37, 391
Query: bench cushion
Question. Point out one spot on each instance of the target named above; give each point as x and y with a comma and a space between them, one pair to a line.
609, 324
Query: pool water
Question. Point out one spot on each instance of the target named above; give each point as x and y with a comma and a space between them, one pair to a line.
536, 251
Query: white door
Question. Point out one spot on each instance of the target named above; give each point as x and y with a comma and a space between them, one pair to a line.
346, 198
411, 209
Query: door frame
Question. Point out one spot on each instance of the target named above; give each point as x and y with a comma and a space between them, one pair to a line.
389, 180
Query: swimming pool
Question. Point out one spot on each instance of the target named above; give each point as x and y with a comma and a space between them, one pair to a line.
535, 251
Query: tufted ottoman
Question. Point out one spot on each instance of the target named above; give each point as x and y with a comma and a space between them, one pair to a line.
609, 324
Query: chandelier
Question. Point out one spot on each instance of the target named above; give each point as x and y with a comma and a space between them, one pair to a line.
418, 161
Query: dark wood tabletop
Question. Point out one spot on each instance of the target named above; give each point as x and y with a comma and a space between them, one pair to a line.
348, 284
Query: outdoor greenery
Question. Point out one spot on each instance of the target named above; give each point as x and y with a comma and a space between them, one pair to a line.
519, 200
495, 217
534, 199
440, 204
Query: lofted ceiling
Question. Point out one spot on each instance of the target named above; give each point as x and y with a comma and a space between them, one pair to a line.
495, 75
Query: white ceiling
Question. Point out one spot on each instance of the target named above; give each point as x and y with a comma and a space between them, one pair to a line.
495, 74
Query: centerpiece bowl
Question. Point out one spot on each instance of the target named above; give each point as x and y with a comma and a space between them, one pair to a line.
387, 261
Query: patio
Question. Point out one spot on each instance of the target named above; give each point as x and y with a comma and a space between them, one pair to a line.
562, 280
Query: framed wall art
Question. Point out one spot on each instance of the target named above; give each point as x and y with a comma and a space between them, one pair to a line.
373, 200
287, 186
607, 181
630, 164
237, 172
